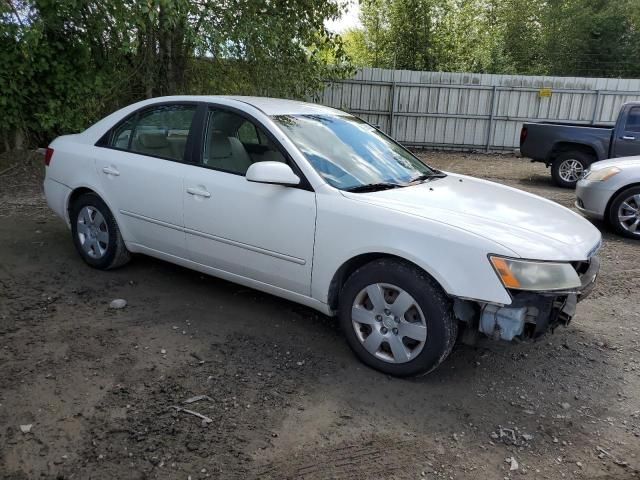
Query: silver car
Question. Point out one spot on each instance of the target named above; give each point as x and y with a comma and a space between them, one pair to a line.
610, 191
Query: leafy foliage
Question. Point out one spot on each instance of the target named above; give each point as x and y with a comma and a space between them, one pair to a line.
66, 63
543, 37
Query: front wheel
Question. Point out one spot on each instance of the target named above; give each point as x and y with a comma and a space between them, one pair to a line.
396, 318
624, 213
96, 235
569, 167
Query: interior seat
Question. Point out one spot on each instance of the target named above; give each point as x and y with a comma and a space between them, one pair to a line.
177, 144
226, 154
152, 144
239, 152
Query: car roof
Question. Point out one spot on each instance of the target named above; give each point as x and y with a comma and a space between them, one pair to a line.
268, 105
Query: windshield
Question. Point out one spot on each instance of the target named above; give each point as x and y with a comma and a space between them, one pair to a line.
349, 153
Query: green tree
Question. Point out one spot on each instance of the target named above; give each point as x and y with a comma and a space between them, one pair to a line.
535, 37
518, 28
466, 37
452, 35
592, 38
398, 33
411, 34
65, 63
356, 47
375, 20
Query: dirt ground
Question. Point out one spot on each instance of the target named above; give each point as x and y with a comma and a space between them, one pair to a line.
287, 398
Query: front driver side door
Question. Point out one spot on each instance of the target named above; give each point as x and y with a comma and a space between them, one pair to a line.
256, 231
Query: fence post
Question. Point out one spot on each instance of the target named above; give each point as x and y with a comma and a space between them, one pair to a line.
392, 101
491, 115
595, 107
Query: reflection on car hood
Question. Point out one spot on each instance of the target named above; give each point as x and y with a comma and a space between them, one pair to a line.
530, 226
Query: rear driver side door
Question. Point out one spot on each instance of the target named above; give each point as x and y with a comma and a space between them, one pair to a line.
140, 163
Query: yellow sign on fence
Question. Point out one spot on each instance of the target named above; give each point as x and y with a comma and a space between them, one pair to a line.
545, 92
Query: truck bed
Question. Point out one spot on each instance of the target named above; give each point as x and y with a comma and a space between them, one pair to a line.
542, 139
582, 125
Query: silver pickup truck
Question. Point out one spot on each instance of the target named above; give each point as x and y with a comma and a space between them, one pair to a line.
570, 148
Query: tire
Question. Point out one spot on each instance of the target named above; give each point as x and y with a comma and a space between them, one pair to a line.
429, 306
625, 226
568, 168
96, 235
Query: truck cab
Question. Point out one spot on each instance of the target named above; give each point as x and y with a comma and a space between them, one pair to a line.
626, 140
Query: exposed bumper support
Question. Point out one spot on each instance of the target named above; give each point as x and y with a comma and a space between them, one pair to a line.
531, 314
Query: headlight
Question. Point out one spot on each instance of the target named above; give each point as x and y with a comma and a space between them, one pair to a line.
602, 175
532, 275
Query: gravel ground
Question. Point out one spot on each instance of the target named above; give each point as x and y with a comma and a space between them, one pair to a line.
285, 396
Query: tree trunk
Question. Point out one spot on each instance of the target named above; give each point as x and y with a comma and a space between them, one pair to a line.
13, 140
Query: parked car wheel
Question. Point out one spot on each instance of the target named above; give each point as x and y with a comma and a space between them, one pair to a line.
569, 167
396, 318
624, 213
96, 235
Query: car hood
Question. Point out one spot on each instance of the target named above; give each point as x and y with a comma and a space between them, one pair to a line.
624, 162
529, 226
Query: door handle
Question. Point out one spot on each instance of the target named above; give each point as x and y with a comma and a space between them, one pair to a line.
110, 171
198, 192
628, 137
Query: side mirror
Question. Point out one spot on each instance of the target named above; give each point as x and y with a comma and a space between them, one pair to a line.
276, 173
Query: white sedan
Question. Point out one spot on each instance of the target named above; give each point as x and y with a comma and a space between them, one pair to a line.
318, 207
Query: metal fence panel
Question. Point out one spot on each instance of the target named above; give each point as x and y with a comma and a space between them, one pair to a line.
473, 111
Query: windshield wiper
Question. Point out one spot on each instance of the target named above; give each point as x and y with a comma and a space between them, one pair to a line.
427, 176
373, 187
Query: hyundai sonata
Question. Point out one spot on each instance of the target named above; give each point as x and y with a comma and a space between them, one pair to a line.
316, 206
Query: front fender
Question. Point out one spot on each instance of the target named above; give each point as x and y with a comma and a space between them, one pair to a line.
455, 258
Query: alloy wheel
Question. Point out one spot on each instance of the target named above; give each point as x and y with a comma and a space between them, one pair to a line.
629, 214
571, 170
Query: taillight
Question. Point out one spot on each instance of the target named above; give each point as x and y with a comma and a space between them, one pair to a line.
523, 135
48, 155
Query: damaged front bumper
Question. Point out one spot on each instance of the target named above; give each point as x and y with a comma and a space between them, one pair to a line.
532, 314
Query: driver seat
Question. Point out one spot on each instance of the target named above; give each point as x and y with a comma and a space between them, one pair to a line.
226, 153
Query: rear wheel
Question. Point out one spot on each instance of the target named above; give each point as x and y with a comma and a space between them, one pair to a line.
569, 167
624, 213
396, 318
96, 235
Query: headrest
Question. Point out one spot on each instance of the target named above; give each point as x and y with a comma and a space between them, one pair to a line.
153, 140
219, 145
